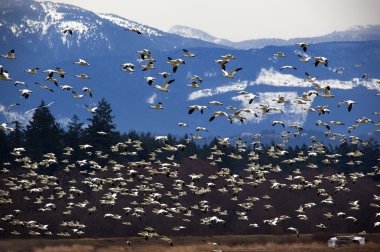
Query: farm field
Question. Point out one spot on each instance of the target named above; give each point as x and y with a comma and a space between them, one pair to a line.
237, 243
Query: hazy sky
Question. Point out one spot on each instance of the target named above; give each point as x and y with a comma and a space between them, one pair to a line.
244, 19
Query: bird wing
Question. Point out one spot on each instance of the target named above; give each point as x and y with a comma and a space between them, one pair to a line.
166, 84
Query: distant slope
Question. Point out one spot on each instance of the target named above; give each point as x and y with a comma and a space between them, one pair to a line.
357, 33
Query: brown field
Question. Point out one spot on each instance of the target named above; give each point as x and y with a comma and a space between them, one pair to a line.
243, 243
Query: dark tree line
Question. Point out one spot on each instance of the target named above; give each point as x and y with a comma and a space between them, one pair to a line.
44, 135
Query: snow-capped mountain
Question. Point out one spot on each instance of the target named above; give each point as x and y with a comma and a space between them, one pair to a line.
356, 33
41, 24
189, 32
34, 30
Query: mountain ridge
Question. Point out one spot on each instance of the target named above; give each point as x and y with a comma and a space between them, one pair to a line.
355, 33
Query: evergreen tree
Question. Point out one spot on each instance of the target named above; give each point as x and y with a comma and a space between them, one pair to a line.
4, 148
16, 138
101, 132
42, 133
74, 135
74, 132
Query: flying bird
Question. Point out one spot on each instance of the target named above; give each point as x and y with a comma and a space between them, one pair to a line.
192, 108
87, 90
68, 30
25, 93
164, 87
188, 54
81, 62
175, 63
44, 86
218, 113
278, 122
150, 80
232, 73
9, 55
350, 103
135, 30
288, 68
32, 70
321, 60
303, 45
157, 106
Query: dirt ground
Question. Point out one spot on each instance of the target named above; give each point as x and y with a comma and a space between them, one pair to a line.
246, 243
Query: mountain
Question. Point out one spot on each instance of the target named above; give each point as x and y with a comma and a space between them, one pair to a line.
189, 32
40, 25
356, 33
34, 30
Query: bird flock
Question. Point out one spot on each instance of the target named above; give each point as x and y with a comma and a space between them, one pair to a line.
126, 193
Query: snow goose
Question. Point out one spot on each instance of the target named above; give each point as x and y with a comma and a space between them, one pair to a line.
60, 72
193, 85
196, 78
188, 54
20, 83
81, 62
175, 63
201, 129
215, 102
32, 70
135, 30
157, 106
88, 91
192, 108
303, 45
309, 78
150, 80
164, 87
9, 55
52, 80
89, 109
128, 67
216, 114
231, 73
66, 87
279, 54
25, 93
164, 74
82, 76
4, 75
287, 68
303, 58
321, 60
293, 229
278, 122
327, 93
44, 86
76, 95
148, 66
67, 30
350, 103
143, 53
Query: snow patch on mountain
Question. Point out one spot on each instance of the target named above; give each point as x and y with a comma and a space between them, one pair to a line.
274, 78
292, 113
189, 32
238, 86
